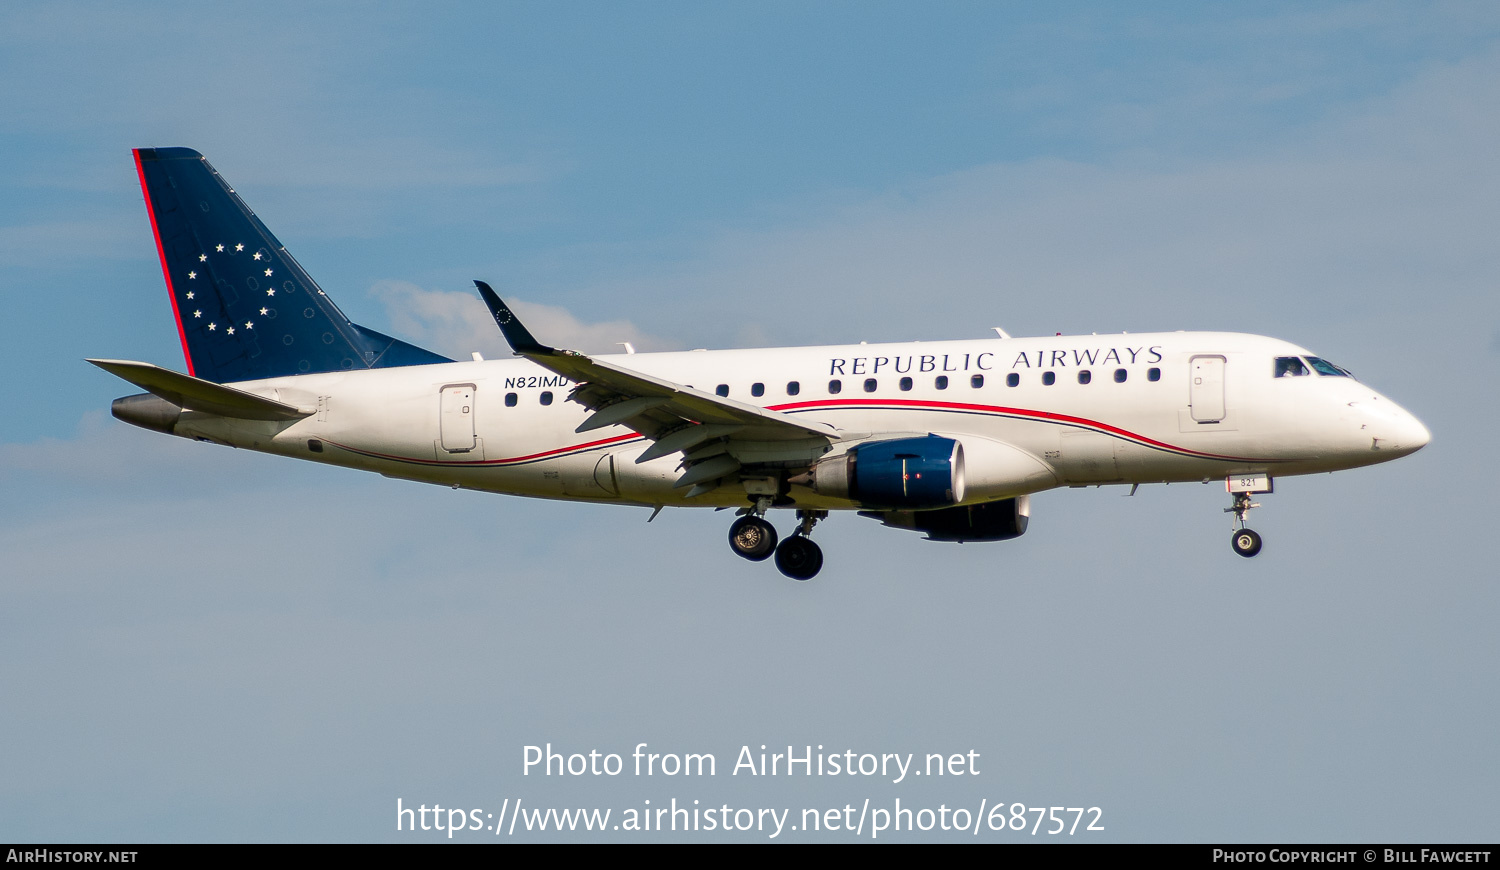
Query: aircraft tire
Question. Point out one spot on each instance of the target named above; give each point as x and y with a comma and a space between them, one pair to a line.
1245, 542
752, 538
799, 558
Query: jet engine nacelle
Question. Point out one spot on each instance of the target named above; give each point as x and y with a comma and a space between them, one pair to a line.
990, 521
914, 473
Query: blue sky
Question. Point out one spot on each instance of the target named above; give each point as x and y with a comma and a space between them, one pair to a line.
200, 644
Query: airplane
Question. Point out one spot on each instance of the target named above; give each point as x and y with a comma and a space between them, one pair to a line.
947, 438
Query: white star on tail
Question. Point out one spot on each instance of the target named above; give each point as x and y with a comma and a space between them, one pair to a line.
212, 327
257, 255
268, 273
239, 247
198, 313
230, 330
271, 292
202, 258
219, 248
192, 274
264, 312
249, 325
190, 294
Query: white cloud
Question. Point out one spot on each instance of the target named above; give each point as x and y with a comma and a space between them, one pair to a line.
457, 324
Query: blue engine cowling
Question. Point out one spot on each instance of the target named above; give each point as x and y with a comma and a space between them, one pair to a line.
913, 473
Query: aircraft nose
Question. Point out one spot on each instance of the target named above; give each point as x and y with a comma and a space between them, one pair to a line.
1398, 431
1412, 435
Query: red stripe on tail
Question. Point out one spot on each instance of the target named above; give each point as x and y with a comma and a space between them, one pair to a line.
161, 252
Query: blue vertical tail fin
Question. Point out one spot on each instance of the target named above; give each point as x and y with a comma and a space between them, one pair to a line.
245, 309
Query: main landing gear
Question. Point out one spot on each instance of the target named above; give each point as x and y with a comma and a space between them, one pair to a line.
753, 538
1245, 542
798, 557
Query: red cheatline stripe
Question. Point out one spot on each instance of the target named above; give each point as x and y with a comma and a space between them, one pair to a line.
513, 460
1046, 416
161, 252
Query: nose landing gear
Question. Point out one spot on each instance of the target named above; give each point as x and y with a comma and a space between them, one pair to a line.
1245, 542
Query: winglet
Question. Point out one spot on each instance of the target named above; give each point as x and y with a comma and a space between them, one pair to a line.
518, 336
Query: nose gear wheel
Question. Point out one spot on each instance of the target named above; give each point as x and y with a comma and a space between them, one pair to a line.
1245, 542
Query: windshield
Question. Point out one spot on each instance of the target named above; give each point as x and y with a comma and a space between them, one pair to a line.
1324, 367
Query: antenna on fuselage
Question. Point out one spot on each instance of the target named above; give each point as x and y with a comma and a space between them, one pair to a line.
1000, 332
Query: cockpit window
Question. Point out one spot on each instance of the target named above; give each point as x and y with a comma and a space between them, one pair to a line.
1324, 367
1290, 367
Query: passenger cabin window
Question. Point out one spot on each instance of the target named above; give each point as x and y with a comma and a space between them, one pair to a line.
1120, 375
1153, 374
834, 386
977, 381
547, 397
1324, 367
1290, 367
941, 382
1049, 378
1012, 380
870, 385
722, 389
757, 390
793, 388
906, 385
510, 400
1085, 376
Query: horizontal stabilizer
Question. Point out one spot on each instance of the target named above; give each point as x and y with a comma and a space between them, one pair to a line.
197, 394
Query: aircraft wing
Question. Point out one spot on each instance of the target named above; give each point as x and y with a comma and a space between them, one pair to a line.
717, 435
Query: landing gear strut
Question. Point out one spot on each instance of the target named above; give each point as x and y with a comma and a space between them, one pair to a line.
798, 557
751, 537
1245, 542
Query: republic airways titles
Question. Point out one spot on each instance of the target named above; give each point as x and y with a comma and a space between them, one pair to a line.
953, 362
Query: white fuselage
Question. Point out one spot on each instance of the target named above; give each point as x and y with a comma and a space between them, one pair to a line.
1214, 408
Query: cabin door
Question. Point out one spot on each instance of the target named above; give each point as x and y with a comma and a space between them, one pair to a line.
1206, 389
457, 419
